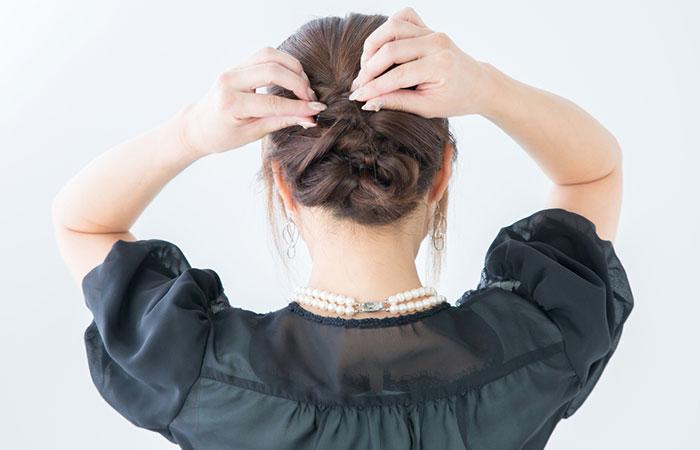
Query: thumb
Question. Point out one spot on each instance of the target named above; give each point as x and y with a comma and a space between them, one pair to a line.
399, 100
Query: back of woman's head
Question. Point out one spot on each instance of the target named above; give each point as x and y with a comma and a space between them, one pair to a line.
371, 168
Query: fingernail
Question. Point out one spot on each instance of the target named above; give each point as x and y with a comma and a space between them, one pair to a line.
354, 85
355, 94
372, 105
317, 106
312, 94
306, 125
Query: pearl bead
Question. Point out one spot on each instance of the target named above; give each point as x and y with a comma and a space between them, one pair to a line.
413, 299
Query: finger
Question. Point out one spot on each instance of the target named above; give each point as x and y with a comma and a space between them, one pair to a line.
410, 15
400, 100
396, 52
405, 75
247, 105
267, 125
391, 30
267, 74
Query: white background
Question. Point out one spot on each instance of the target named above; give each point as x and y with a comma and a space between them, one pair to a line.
79, 77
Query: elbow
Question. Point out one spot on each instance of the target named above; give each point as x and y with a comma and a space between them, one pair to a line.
616, 156
57, 212
611, 162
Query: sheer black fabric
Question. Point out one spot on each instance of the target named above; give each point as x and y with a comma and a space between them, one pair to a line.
496, 370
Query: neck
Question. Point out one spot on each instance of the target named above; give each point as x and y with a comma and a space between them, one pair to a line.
365, 268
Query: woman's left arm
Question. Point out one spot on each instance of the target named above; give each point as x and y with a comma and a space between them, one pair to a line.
98, 206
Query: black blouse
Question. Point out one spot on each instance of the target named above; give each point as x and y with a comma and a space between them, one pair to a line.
496, 370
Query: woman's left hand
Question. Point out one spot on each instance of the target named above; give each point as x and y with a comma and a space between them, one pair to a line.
233, 114
448, 82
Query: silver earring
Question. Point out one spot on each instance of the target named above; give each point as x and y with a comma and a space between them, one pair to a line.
290, 233
438, 233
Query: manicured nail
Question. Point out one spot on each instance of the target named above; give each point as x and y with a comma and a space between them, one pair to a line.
372, 105
306, 125
318, 106
312, 94
355, 84
355, 94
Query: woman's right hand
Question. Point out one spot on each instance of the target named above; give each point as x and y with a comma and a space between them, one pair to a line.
233, 114
448, 81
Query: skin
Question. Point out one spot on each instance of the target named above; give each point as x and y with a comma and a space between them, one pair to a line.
99, 205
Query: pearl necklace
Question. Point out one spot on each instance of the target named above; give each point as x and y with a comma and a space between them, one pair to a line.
402, 302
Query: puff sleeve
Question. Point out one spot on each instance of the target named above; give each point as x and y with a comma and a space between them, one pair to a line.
146, 342
555, 259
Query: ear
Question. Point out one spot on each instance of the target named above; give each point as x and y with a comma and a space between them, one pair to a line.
442, 177
282, 187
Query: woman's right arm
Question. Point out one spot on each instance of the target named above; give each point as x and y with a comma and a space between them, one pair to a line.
581, 157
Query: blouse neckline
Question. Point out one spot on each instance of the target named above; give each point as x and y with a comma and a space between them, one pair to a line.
368, 322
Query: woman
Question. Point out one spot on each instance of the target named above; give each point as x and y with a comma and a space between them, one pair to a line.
358, 154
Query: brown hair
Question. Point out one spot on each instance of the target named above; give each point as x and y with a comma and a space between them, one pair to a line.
372, 168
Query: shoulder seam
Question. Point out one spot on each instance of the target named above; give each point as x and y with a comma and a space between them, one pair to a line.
517, 287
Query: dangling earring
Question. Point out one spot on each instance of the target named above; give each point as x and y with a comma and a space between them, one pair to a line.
439, 228
290, 233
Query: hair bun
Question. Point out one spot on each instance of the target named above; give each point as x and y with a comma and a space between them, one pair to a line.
370, 167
